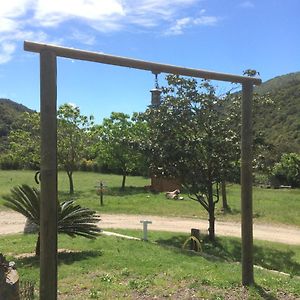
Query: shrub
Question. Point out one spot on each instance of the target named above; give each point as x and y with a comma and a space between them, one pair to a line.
287, 170
72, 219
7, 162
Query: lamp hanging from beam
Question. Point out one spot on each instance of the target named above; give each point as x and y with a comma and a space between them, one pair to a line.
155, 93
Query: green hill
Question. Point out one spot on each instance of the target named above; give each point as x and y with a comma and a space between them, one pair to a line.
280, 122
10, 112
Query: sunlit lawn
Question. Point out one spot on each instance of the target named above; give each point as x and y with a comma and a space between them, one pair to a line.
270, 206
114, 268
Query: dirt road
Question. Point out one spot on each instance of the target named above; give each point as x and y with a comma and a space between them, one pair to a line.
11, 222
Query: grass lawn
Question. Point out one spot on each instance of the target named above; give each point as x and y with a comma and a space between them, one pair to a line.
270, 206
114, 268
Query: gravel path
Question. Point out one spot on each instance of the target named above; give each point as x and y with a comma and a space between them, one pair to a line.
11, 222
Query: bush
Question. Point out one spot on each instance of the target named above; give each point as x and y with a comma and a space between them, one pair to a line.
7, 162
88, 165
261, 179
287, 170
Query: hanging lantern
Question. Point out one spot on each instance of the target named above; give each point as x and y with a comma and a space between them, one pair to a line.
155, 94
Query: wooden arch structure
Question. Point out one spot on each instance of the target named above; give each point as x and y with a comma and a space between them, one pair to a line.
48, 106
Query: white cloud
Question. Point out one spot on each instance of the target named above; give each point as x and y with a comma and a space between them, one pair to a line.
151, 13
183, 23
165, 8
178, 27
7, 25
247, 4
206, 20
6, 51
84, 38
14, 8
39, 20
54, 12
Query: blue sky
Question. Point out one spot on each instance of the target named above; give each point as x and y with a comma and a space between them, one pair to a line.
219, 35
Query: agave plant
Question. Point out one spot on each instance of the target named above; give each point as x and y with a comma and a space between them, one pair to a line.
72, 219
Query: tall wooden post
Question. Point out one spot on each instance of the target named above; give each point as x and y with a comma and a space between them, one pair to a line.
246, 183
48, 212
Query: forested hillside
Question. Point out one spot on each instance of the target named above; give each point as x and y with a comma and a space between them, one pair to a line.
10, 112
280, 122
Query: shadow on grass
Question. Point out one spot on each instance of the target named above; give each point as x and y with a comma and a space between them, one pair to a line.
263, 294
230, 250
63, 195
130, 190
229, 211
67, 258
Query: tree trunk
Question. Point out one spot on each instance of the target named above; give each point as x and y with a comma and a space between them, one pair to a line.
71, 184
211, 229
123, 182
224, 196
37, 246
211, 213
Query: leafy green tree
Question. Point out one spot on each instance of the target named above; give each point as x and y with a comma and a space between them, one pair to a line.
263, 152
191, 139
24, 143
10, 113
73, 219
73, 138
287, 170
119, 139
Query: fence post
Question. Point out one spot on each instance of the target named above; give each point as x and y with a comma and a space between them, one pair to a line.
246, 185
101, 193
195, 233
48, 210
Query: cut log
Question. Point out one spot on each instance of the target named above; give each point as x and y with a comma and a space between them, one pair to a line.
9, 280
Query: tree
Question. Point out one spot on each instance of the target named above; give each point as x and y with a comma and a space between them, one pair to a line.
24, 143
73, 219
287, 170
191, 139
73, 138
119, 138
263, 152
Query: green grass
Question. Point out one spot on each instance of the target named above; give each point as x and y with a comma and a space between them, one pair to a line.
269, 255
114, 268
269, 206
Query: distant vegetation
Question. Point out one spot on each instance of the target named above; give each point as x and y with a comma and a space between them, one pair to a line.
10, 113
276, 126
270, 206
280, 122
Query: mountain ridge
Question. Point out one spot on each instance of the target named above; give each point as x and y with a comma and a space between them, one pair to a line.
280, 122
10, 112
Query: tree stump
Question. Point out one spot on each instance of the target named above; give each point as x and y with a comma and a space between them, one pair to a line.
9, 280
30, 227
